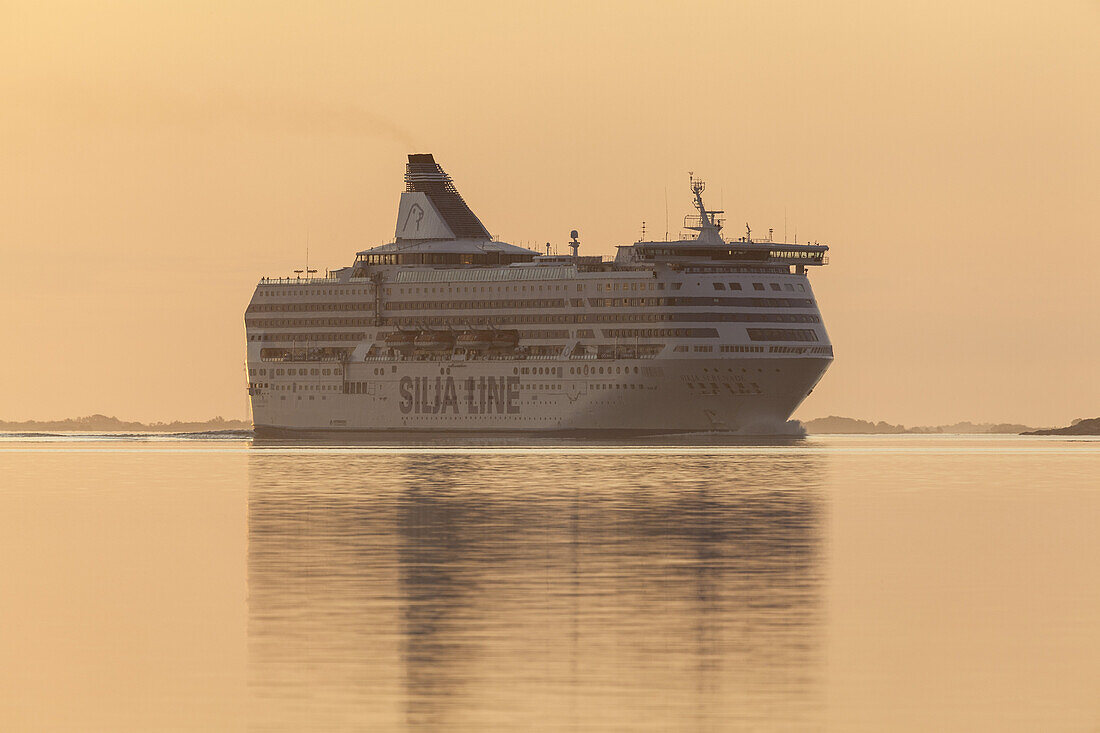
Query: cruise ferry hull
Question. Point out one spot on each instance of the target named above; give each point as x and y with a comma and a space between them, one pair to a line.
747, 396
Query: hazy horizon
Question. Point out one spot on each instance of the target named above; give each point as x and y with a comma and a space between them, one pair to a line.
159, 160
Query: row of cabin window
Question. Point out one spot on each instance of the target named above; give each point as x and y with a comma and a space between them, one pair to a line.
300, 322
474, 304
725, 349
600, 370
782, 334
760, 286
307, 337
641, 285
307, 388
462, 289
482, 289
304, 372
287, 307
459, 322
696, 301
612, 303
636, 286
310, 354
690, 333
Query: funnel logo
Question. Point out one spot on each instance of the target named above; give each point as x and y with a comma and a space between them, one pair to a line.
416, 215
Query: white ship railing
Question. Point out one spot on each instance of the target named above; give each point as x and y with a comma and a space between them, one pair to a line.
298, 280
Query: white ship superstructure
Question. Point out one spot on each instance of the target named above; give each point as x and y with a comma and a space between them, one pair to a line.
448, 329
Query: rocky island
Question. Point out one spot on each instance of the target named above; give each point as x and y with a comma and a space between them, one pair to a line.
1085, 426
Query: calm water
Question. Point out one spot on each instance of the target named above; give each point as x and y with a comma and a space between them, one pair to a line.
834, 583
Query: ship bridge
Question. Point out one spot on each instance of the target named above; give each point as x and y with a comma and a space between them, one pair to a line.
709, 246
742, 251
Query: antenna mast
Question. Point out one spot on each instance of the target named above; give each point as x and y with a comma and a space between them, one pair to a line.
666, 212
707, 223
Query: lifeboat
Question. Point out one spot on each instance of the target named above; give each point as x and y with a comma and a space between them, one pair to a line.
401, 340
475, 340
435, 341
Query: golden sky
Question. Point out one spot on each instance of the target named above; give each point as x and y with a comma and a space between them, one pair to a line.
157, 158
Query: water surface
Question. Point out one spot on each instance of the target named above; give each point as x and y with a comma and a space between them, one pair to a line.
831, 583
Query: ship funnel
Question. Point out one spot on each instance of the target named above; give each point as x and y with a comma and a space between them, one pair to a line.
431, 207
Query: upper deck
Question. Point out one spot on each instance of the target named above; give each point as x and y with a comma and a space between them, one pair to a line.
437, 231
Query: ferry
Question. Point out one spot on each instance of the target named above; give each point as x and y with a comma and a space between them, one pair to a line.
448, 329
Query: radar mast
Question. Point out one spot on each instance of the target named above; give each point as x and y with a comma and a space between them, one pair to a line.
707, 222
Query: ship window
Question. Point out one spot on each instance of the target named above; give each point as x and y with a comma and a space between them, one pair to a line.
719, 286
758, 286
776, 286
735, 286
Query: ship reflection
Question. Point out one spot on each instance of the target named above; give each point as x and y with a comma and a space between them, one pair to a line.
560, 592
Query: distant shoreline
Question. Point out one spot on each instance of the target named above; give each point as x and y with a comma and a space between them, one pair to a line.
834, 425
106, 424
